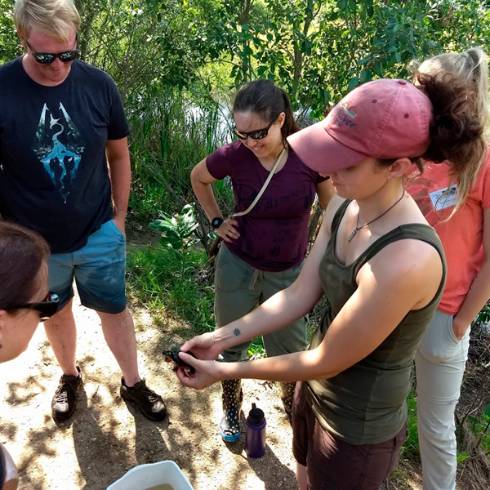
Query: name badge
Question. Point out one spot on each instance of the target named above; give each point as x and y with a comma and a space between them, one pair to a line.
444, 198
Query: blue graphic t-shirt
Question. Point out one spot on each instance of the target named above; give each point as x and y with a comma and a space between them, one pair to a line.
53, 169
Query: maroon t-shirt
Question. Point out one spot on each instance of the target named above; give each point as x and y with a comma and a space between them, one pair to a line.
274, 235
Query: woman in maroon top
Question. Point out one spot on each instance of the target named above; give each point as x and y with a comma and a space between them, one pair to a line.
262, 250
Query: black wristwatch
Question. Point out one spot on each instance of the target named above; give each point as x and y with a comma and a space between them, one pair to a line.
216, 222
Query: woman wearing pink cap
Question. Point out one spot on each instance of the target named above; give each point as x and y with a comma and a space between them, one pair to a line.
381, 269
459, 210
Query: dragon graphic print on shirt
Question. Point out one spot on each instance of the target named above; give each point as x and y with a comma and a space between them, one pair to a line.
59, 148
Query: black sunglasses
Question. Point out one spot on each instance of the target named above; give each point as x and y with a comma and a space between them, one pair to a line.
46, 308
48, 58
258, 134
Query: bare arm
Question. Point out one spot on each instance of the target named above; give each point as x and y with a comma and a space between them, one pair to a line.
362, 324
201, 181
325, 192
479, 292
120, 172
278, 311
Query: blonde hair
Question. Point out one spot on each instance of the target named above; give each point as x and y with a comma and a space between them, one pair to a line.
467, 73
53, 17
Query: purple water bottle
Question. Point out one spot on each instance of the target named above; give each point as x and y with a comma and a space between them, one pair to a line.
255, 436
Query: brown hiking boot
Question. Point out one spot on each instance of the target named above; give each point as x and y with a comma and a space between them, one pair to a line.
64, 400
149, 403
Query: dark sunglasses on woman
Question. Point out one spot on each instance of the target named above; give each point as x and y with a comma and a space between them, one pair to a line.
48, 58
46, 308
258, 134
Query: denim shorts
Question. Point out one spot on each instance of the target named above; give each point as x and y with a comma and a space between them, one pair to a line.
98, 268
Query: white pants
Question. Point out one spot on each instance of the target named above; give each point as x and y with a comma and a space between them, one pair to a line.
440, 363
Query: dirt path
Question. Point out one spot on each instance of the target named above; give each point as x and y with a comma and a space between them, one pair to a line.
104, 439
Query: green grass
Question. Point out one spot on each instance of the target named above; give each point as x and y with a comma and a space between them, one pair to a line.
410, 449
174, 283
480, 426
146, 199
170, 284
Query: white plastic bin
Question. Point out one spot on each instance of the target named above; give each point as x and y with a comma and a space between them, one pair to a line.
149, 475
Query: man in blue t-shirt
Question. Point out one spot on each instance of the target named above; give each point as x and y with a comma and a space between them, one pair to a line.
65, 172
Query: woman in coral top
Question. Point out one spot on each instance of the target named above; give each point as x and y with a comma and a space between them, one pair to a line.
459, 210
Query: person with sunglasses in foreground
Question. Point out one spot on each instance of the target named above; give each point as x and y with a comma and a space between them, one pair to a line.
262, 251
66, 174
24, 302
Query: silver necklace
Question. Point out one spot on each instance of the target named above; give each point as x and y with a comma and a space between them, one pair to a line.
353, 233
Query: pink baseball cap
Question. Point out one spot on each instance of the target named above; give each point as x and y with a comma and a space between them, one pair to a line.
382, 119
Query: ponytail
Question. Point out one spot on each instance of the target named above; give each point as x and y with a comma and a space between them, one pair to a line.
457, 85
290, 125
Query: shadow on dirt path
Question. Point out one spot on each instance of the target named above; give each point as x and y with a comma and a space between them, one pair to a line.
104, 439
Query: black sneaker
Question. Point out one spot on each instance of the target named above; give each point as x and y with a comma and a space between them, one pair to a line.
64, 400
147, 401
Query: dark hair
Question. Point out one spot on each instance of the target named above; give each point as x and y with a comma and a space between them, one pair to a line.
456, 132
22, 252
457, 127
267, 100
457, 84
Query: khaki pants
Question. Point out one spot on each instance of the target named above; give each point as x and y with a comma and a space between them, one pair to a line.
239, 289
440, 363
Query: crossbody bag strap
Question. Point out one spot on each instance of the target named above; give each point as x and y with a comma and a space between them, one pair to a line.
280, 159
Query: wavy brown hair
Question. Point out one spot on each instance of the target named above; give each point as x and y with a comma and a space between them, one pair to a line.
457, 85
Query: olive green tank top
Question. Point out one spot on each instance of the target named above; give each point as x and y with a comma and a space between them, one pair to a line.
365, 404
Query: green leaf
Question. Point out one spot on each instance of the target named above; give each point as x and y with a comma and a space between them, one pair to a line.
353, 83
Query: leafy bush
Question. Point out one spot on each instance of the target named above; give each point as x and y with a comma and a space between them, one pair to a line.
177, 231
480, 425
484, 315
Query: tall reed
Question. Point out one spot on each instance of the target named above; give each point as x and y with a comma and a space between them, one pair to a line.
170, 133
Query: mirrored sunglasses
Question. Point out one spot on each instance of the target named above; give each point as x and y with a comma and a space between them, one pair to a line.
48, 58
258, 134
46, 308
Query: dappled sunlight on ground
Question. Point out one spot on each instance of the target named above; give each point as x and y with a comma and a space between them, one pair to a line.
104, 439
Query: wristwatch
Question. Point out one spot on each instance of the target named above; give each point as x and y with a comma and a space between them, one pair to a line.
216, 222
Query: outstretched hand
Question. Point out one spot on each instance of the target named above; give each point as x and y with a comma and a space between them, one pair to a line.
202, 346
206, 372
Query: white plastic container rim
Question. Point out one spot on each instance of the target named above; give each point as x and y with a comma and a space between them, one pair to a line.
149, 475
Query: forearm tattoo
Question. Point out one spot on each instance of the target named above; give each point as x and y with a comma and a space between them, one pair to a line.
237, 332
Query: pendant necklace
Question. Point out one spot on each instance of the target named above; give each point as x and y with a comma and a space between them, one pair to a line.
353, 233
